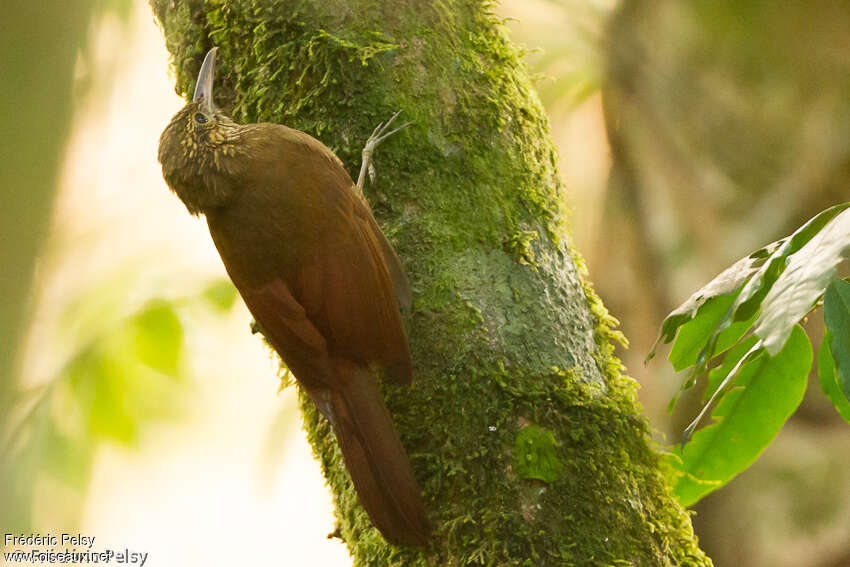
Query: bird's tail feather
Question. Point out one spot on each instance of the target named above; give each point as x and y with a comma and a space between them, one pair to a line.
375, 457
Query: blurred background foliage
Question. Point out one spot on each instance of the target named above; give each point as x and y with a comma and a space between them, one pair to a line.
119, 368
727, 126
108, 329
690, 134
113, 365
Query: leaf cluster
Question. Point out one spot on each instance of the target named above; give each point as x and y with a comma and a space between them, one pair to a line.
121, 367
742, 330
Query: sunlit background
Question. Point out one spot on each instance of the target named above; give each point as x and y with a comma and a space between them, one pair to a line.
149, 416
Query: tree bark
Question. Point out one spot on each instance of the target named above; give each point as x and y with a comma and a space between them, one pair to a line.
523, 432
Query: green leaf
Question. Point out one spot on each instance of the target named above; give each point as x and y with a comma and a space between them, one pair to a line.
836, 315
693, 336
718, 385
726, 283
717, 375
757, 288
221, 294
158, 337
828, 380
767, 391
807, 273
757, 273
535, 454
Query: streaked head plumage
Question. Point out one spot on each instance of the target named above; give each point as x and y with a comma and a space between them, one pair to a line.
196, 144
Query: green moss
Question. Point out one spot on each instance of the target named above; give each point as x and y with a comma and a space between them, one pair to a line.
505, 331
519, 245
535, 454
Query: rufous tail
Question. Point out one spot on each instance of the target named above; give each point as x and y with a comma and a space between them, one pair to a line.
375, 457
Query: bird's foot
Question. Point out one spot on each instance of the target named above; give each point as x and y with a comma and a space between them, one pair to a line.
379, 134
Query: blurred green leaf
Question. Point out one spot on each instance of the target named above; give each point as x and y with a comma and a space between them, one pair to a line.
767, 391
828, 379
98, 379
99, 307
836, 314
67, 458
123, 377
807, 273
158, 336
221, 294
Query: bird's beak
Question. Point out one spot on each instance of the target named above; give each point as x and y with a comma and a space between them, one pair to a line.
204, 86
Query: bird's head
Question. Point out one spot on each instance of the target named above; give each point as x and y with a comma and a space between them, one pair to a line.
199, 149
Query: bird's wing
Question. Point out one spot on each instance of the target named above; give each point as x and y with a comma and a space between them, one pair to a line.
347, 293
287, 328
324, 169
398, 277
341, 271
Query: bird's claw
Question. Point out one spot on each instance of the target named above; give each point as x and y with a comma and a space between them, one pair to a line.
379, 134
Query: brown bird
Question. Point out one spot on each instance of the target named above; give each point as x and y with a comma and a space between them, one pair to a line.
318, 275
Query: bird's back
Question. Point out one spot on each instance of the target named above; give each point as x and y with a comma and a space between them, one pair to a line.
297, 218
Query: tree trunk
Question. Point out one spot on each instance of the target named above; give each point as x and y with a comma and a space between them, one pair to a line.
524, 434
39, 42
38, 46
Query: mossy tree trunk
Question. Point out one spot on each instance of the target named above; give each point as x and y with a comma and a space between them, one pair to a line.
524, 434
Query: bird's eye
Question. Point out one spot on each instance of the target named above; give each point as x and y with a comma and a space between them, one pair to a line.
200, 118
